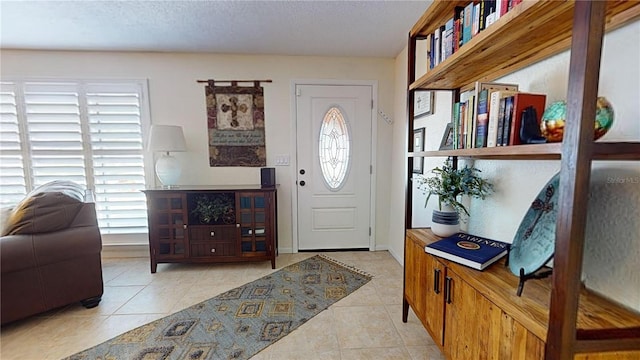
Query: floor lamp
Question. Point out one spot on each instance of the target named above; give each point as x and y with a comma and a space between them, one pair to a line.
166, 139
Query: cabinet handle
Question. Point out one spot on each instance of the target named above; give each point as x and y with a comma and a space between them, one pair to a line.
436, 281
447, 289
213, 250
184, 226
237, 225
213, 233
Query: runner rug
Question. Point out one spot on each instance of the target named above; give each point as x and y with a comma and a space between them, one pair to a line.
239, 323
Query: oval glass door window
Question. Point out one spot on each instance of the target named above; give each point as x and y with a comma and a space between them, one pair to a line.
334, 149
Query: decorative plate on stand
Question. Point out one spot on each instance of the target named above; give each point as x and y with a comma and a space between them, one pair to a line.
534, 242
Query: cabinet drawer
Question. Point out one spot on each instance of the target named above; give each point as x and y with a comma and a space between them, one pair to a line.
212, 233
213, 249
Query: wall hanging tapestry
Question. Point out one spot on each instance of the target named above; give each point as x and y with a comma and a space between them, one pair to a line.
235, 122
239, 323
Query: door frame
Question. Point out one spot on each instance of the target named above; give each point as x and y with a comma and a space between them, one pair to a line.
294, 146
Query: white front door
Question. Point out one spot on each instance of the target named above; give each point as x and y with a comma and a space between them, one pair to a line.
334, 136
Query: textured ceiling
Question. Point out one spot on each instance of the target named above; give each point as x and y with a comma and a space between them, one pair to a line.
326, 28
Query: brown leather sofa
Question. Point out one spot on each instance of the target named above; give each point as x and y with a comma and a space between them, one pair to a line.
50, 253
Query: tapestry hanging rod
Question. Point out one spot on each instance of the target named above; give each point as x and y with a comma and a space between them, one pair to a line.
234, 81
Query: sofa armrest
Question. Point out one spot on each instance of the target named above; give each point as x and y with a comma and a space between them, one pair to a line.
81, 238
67, 244
42, 213
16, 253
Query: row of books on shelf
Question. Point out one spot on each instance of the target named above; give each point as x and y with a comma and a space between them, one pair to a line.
465, 23
494, 114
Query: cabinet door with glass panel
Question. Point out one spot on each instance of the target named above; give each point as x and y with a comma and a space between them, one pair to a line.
254, 217
168, 213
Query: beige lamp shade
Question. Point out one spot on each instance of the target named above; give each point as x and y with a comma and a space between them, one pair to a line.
166, 138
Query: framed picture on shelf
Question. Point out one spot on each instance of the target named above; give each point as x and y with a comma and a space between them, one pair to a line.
447, 138
418, 145
423, 103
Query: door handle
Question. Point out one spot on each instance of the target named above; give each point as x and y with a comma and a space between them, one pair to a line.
302, 183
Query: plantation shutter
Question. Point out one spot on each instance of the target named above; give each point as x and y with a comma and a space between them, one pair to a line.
114, 113
12, 175
86, 132
54, 132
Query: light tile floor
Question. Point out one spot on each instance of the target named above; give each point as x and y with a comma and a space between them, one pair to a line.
365, 325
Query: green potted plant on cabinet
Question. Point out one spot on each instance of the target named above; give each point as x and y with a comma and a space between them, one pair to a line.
214, 208
450, 184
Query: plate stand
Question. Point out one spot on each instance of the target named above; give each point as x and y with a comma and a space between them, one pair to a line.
534, 275
523, 278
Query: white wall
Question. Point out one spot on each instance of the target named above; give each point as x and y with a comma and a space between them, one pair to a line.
398, 160
176, 98
612, 245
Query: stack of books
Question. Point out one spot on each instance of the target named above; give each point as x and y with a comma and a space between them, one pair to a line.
465, 23
490, 114
469, 250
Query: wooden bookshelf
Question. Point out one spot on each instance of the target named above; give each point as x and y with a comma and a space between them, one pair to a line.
530, 32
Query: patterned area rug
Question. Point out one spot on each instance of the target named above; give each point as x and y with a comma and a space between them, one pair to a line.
239, 323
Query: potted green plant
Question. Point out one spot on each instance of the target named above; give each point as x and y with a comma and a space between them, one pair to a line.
450, 184
214, 208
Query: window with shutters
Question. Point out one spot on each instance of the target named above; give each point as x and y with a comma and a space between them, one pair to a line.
89, 132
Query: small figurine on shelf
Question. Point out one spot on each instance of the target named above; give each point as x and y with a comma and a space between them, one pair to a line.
554, 117
530, 130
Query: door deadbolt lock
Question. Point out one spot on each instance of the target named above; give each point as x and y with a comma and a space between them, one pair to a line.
302, 171
302, 183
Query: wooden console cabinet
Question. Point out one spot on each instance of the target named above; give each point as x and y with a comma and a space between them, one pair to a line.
243, 229
475, 314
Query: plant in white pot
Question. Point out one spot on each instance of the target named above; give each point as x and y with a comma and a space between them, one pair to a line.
450, 184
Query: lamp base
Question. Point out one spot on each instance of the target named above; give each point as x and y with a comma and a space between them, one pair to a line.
168, 170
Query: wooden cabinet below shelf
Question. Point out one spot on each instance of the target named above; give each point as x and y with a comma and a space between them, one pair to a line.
475, 314
425, 289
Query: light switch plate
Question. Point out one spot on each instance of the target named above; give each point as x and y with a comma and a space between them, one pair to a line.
282, 160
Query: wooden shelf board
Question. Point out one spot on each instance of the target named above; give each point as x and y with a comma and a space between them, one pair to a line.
549, 151
616, 151
598, 316
610, 340
511, 43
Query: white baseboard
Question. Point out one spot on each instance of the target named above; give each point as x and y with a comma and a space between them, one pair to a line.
125, 251
290, 250
382, 248
399, 259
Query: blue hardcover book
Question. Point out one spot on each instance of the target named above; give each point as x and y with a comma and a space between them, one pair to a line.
469, 250
448, 39
482, 127
467, 23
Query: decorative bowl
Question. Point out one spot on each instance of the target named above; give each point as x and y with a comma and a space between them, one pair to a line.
554, 117
445, 223
444, 230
